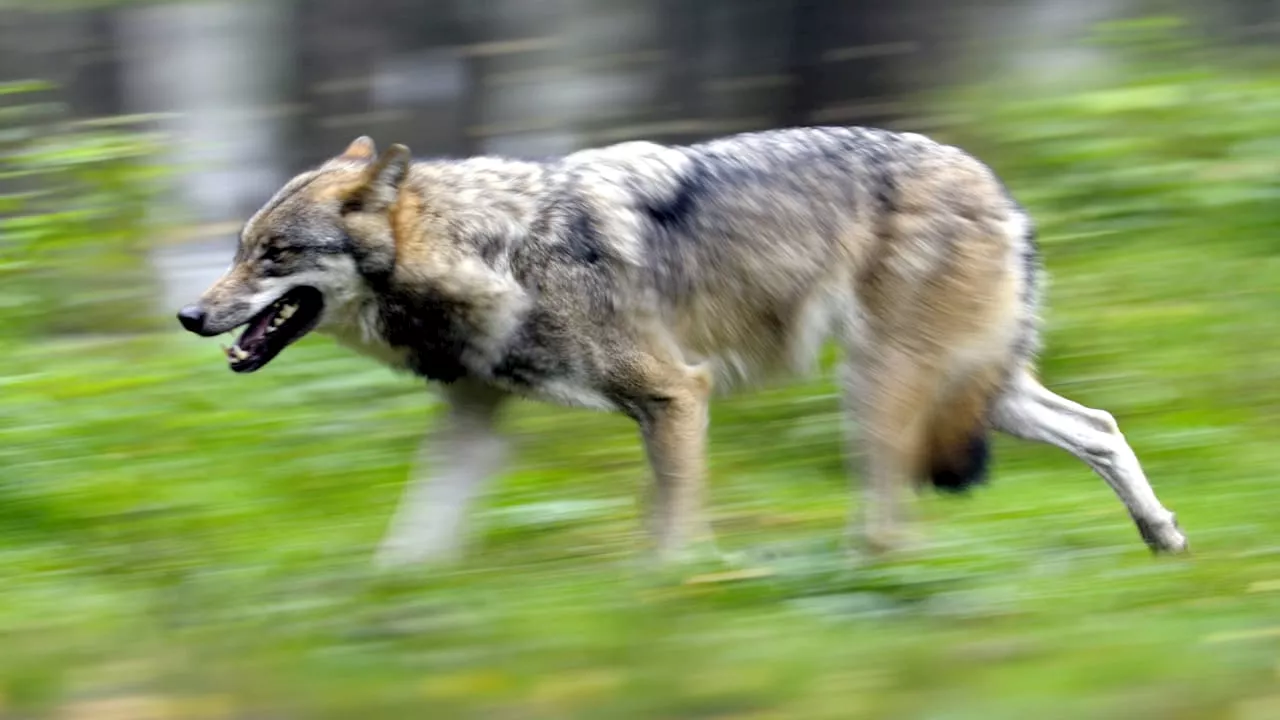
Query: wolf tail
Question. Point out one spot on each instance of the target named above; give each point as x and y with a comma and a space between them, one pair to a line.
957, 445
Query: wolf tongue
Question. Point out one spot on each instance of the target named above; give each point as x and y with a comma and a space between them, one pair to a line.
256, 331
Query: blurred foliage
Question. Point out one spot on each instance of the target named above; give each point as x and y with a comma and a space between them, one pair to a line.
1172, 132
182, 542
75, 199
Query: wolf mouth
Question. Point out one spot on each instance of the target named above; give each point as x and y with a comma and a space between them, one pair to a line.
283, 322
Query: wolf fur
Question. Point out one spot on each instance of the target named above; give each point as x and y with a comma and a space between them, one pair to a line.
639, 277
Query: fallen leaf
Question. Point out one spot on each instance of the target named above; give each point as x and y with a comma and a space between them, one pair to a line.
729, 576
119, 708
1235, 636
466, 684
1264, 708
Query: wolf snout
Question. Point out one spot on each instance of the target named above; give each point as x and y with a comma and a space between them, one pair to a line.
193, 319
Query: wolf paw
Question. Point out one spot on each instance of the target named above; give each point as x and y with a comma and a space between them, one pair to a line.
890, 543
1163, 537
401, 553
703, 552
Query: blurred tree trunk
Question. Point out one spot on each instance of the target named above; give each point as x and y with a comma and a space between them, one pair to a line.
555, 76
218, 69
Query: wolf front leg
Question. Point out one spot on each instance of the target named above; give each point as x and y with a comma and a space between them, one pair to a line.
673, 416
462, 451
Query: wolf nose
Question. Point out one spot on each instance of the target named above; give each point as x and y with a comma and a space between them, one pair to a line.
192, 318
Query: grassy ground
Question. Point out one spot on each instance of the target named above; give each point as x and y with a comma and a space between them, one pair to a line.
180, 542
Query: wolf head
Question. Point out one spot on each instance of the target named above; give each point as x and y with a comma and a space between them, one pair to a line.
308, 257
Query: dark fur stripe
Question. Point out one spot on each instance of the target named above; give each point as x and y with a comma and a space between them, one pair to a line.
1030, 264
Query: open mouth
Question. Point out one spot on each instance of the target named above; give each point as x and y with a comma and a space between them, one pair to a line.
284, 321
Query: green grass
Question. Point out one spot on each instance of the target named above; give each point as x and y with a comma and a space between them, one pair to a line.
172, 533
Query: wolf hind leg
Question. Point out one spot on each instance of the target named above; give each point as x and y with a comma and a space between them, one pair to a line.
1029, 411
887, 411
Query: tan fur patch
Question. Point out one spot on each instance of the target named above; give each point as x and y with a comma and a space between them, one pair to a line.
407, 227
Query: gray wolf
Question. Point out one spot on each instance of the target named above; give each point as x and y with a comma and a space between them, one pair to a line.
640, 277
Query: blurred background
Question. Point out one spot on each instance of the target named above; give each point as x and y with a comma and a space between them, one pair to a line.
179, 542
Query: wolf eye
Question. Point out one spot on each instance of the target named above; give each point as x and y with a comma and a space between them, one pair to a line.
275, 253
274, 260
275, 263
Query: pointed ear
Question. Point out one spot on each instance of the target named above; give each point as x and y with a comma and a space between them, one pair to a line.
382, 181
391, 168
361, 149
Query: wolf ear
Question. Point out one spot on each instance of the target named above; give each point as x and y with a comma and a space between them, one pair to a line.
362, 149
381, 182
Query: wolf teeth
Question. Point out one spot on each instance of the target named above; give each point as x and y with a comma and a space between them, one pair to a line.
234, 352
287, 311
276, 322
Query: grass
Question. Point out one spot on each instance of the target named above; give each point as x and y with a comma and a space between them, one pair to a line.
180, 542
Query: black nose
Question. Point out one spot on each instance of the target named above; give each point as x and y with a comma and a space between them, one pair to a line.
192, 318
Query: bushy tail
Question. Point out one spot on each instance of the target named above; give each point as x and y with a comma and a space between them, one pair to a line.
957, 447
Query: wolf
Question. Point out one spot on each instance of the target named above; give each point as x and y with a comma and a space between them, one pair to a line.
640, 278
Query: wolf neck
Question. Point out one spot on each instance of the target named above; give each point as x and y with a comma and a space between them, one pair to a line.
466, 205
451, 304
